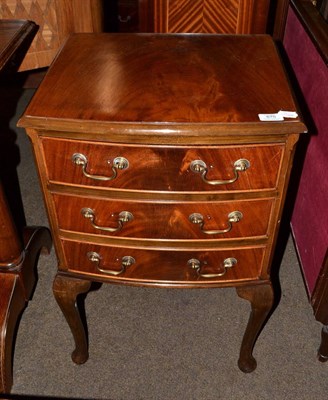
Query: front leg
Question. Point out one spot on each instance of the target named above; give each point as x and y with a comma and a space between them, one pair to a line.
66, 291
261, 298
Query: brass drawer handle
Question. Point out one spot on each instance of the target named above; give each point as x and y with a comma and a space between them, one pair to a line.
196, 264
233, 217
118, 163
200, 167
123, 217
126, 261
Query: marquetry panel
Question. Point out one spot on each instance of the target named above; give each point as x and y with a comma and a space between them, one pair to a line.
211, 16
42, 12
56, 19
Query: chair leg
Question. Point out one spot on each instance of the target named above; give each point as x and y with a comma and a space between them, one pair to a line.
16, 287
12, 303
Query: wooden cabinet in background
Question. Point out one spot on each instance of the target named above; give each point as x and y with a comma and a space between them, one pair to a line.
182, 16
211, 16
127, 18
56, 19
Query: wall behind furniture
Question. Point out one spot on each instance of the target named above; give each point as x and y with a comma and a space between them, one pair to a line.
310, 215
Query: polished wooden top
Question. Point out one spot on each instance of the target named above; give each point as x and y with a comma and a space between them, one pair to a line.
163, 78
13, 34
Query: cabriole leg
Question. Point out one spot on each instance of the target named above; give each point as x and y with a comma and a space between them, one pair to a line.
66, 291
261, 298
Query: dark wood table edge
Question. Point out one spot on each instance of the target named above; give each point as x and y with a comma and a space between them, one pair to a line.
17, 277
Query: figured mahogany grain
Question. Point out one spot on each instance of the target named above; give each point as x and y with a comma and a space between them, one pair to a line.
187, 79
163, 168
162, 266
164, 220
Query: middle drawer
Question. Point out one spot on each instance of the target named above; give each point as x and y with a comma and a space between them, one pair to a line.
159, 220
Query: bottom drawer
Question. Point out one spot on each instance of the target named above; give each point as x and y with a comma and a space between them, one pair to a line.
168, 267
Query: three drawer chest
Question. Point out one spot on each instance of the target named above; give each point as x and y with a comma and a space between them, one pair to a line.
159, 169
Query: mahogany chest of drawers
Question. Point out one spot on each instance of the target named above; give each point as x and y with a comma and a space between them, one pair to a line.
156, 169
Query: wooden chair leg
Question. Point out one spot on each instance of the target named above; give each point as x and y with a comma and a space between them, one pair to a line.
36, 240
261, 298
16, 287
12, 303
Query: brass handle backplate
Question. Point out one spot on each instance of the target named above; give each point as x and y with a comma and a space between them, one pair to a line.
123, 217
194, 263
200, 167
233, 217
82, 161
126, 261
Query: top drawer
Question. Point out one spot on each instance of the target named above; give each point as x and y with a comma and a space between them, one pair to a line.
162, 168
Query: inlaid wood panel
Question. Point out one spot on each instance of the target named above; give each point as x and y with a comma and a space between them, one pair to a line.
164, 220
211, 16
56, 19
163, 266
162, 168
43, 12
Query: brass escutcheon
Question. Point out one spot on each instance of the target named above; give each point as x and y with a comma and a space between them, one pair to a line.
121, 163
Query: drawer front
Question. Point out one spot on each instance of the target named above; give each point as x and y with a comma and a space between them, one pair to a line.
162, 168
210, 220
163, 266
